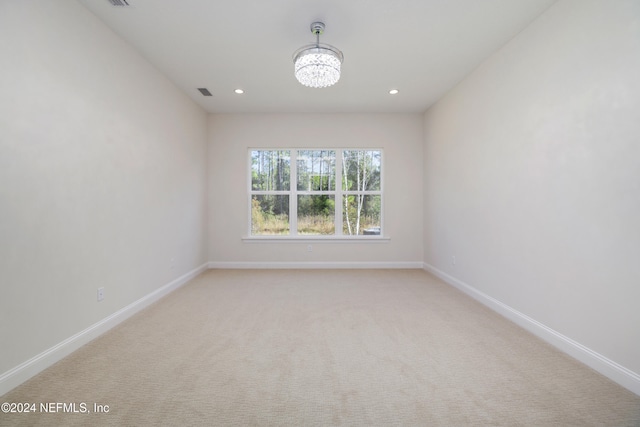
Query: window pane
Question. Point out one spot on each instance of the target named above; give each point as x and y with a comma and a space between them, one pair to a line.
361, 214
361, 170
316, 170
270, 170
269, 214
316, 214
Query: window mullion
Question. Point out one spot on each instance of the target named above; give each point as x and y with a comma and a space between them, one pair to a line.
293, 197
250, 188
338, 194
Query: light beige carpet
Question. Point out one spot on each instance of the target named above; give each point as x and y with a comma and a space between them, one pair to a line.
323, 348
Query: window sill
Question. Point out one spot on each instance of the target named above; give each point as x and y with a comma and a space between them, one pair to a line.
315, 239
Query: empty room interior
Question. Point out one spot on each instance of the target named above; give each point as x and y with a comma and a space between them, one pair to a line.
320, 213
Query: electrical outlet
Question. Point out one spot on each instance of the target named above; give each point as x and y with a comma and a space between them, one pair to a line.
100, 294
453, 260
309, 248
173, 263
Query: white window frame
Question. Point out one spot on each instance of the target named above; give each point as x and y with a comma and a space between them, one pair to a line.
293, 194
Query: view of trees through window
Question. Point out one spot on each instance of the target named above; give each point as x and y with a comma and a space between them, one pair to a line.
316, 192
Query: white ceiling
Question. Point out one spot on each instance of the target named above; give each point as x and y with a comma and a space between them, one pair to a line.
421, 47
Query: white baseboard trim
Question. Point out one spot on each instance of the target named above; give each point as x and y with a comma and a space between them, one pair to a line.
315, 265
21, 373
610, 369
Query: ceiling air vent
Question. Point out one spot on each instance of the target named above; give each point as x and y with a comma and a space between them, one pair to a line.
204, 91
119, 2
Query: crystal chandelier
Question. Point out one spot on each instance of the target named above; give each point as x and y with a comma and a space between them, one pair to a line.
317, 65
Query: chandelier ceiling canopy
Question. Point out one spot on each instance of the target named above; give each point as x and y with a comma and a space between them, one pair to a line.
317, 65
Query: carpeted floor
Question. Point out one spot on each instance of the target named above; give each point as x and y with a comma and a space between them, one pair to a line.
322, 348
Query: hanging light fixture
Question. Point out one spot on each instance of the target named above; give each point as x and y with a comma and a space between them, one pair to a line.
317, 65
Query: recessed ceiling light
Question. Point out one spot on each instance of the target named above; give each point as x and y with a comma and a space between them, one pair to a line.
238, 91
393, 91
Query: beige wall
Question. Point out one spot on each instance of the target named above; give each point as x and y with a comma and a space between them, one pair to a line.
399, 135
102, 176
532, 176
